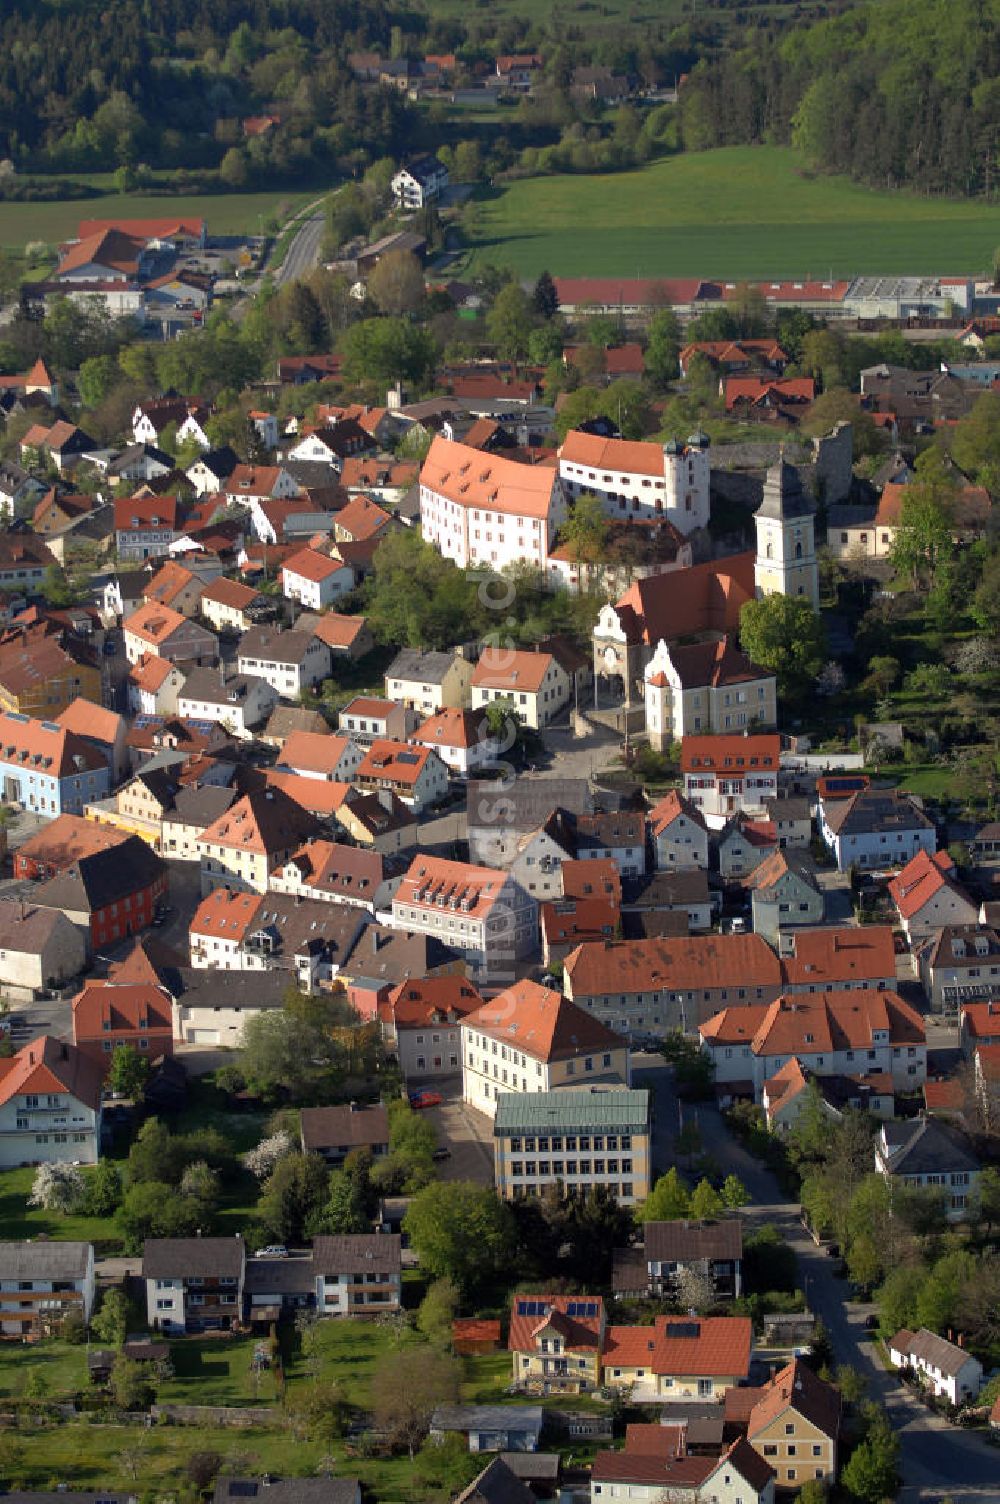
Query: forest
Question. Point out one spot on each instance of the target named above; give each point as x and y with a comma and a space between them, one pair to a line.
895, 93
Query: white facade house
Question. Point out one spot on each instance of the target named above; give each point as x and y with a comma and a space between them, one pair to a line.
640, 480
290, 661
461, 740
708, 686
50, 1106
786, 547
928, 1154
726, 774
835, 1033
240, 704
478, 508
315, 580
535, 685
875, 828
485, 915
680, 835
42, 1282
944, 1367
418, 182
416, 775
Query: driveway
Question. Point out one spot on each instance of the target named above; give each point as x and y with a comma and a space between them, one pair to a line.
937, 1459
466, 1132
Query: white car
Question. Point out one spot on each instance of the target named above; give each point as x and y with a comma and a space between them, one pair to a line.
272, 1251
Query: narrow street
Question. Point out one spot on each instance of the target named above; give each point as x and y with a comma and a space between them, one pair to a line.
938, 1459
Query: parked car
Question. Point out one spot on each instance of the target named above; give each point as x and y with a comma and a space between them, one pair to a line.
442, 1153
272, 1251
420, 1099
871, 1323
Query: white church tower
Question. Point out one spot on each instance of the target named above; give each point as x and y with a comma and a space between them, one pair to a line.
786, 543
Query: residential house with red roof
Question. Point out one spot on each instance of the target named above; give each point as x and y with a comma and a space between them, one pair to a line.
679, 833
649, 1472
928, 896
41, 673
48, 769
421, 1023
678, 1357
229, 605
849, 1033
735, 357
460, 738
784, 893
979, 1024
786, 1094
483, 914
556, 1342
145, 527
175, 586
792, 1422
50, 1105
668, 983
154, 686
531, 1039
301, 939
415, 774
768, 399
839, 957
347, 637
162, 632
638, 479
250, 840
534, 684
110, 893
723, 774
137, 1014
312, 754
369, 718
483, 509
59, 844
705, 686
103, 729
315, 579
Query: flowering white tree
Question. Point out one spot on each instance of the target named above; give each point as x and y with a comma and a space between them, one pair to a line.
56, 1188
262, 1160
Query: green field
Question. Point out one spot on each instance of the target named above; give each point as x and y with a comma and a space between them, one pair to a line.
733, 213
224, 213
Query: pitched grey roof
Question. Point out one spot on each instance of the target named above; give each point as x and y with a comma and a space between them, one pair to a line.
521, 1418
44, 1260
30, 931
684, 1242
291, 1276
201, 805
175, 1258
415, 664
337, 1127
924, 1146
323, 1490
527, 802
350, 1253
496, 1484
784, 497
873, 811
930, 1348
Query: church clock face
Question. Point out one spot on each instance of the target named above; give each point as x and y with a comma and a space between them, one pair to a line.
610, 658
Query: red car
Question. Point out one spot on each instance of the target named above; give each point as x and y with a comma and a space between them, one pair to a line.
420, 1099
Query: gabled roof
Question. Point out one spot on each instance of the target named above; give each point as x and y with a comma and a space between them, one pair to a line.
310, 564
542, 1023
708, 1345
670, 808
925, 1146
50, 1065
104, 1005
45, 745
176, 1258
923, 878
104, 877
578, 1319
688, 602
813, 1023
420, 1001
515, 671
264, 821
398, 761
873, 811
339, 631
91, 721
730, 754
684, 1241
927, 1347
154, 623
344, 1127
690, 962
314, 752
453, 728
231, 593
797, 1387
136, 513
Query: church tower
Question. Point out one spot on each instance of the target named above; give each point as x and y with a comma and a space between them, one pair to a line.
786, 543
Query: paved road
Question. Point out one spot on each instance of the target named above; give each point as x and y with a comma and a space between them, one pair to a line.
303, 253
938, 1459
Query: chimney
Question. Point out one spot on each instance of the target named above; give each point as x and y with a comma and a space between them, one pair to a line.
960, 1339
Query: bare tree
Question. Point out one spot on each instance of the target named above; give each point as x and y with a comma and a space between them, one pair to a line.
407, 1387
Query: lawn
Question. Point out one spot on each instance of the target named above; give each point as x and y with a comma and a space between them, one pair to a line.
216, 1371
19, 1220
732, 213
225, 213
61, 1368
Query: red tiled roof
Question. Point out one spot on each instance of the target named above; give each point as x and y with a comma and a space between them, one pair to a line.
691, 962
224, 914
506, 668
473, 479
108, 1007
339, 631
229, 593
666, 811
598, 877
797, 1388
707, 1346
818, 1022
135, 513
580, 1333
981, 1020
398, 761
144, 229
730, 754
542, 1023
50, 1065
421, 1001
153, 623
922, 879
313, 751
313, 566
842, 954
452, 728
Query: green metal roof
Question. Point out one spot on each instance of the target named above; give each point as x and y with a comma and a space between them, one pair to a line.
570, 1111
